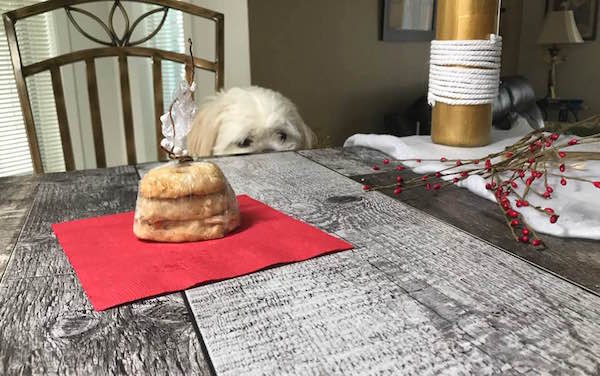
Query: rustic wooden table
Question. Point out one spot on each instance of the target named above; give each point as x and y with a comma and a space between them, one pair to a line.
422, 293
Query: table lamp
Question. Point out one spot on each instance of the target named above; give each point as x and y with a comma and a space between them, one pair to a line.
559, 28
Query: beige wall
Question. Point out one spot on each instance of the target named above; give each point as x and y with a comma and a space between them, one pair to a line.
578, 77
326, 56
510, 29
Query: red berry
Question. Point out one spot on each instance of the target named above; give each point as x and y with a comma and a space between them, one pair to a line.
549, 189
529, 180
536, 242
512, 213
418, 161
514, 222
476, 161
464, 174
596, 184
562, 167
554, 136
525, 231
519, 203
366, 187
525, 203
513, 184
547, 195
425, 177
438, 174
573, 142
488, 186
531, 160
554, 218
428, 186
524, 239
562, 154
399, 179
437, 186
386, 161
397, 191
375, 167
563, 181
400, 168
443, 159
548, 143
488, 163
521, 173
455, 180
509, 154
459, 163
549, 210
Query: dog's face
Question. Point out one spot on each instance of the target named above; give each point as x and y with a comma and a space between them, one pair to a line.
257, 126
248, 120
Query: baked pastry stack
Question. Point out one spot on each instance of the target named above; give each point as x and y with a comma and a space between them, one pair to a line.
185, 202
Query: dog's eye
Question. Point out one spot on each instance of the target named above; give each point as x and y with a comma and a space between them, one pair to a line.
282, 136
246, 143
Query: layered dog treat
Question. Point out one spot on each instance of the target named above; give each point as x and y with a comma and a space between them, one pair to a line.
185, 202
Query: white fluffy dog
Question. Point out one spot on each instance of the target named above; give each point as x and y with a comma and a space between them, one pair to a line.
247, 120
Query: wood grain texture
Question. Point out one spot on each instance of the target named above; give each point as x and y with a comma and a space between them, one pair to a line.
48, 325
575, 259
416, 296
15, 201
349, 161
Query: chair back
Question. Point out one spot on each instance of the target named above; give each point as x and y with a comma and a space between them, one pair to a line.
121, 47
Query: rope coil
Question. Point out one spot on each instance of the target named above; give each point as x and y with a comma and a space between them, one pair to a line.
464, 72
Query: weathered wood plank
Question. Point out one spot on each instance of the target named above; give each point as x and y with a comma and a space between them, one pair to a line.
15, 201
575, 259
417, 296
349, 161
48, 325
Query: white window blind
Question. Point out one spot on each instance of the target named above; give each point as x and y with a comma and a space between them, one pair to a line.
171, 38
35, 44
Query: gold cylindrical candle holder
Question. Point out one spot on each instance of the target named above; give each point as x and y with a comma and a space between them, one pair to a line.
464, 125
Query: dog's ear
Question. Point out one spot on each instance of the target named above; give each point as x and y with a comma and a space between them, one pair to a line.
205, 129
309, 137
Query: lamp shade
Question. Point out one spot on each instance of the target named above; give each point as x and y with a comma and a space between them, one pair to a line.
560, 28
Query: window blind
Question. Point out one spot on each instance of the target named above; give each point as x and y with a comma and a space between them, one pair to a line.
35, 45
171, 38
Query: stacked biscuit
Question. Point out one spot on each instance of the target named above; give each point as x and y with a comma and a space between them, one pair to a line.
185, 202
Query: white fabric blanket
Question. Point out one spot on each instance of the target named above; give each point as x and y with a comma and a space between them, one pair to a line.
577, 203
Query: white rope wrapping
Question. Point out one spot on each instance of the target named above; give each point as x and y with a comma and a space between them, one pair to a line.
464, 72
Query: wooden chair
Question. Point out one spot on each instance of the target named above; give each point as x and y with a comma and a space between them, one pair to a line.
117, 46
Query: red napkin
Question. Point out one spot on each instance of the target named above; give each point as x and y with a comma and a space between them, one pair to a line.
114, 267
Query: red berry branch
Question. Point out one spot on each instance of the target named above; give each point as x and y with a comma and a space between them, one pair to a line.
528, 160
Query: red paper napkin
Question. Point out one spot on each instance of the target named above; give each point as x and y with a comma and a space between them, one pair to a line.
114, 267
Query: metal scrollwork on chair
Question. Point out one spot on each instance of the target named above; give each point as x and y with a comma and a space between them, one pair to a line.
115, 40
118, 44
